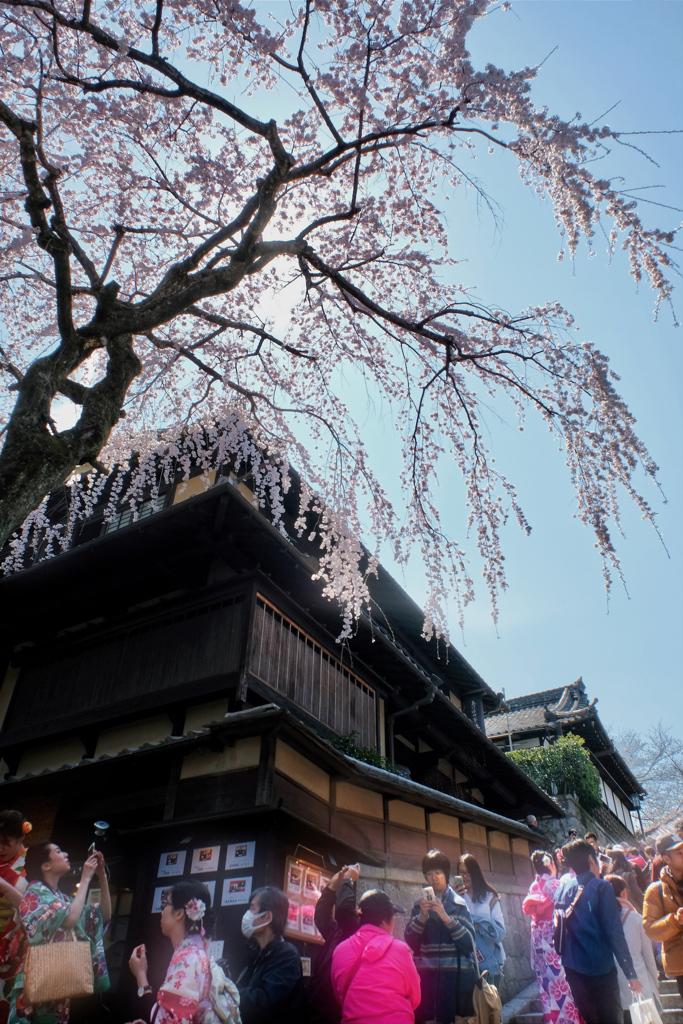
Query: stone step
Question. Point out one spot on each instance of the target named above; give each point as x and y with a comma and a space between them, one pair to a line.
528, 1018
668, 985
671, 1000
672, 1016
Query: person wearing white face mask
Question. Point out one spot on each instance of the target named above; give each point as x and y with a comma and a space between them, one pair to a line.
270, 986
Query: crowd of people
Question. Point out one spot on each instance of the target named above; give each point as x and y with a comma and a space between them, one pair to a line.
620, 908
622, 911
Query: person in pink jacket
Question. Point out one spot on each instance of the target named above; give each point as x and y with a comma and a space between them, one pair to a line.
373, 974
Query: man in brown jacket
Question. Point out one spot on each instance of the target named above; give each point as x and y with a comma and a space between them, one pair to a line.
663, 909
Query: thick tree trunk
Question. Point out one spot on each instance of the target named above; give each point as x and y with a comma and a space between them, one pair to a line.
34, 461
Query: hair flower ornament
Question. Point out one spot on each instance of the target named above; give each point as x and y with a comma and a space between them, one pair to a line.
195, 909
26, 828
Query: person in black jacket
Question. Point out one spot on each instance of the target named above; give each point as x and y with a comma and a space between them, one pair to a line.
336, 918
270, 986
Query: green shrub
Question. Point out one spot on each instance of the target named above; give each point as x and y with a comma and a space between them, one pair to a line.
347, 745
567, 765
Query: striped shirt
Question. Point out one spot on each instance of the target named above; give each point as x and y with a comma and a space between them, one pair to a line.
438, 945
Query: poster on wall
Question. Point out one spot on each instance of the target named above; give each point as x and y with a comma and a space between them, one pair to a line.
236, 890
294, 916
240, 856
172, 864
303, 885
308, 927
215, 949
160, 893
205, 859
312, 885
295, 876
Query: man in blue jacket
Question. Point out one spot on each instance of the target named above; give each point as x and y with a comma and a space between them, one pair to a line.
595, 938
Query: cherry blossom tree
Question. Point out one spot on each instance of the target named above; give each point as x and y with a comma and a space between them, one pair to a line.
656, 760
155, 223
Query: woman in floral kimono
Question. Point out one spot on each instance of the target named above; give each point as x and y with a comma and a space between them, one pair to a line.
539, 904
13, 830
184, 997
46, 914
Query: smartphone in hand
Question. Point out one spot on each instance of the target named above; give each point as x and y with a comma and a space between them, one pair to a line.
428, 891
457, 882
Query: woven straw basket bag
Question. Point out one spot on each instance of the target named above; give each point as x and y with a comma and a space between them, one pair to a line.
57, 970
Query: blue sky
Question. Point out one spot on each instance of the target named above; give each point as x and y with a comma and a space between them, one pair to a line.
555, 623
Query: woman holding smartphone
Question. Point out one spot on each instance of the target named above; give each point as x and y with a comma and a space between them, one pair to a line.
483, 903
441, 936
48, 915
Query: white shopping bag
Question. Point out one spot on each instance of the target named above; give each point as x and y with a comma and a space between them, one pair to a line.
644, 1011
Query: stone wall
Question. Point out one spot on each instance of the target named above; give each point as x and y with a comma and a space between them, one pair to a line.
404, 886
607, 827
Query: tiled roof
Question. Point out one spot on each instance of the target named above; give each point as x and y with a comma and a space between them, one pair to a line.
566, 704
515, 721
560, 698
530, 719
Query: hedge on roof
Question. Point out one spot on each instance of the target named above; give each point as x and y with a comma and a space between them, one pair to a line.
565, 765
346, 744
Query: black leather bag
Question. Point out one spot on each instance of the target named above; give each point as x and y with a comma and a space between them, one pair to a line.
560, 922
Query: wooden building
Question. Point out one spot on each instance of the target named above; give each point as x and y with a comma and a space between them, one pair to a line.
541, 718
178, 678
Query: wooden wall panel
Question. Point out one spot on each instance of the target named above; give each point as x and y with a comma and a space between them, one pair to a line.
303, 803
407, 844
363, 833
451, 847
194, 644
522, 867
216, 794
501, 862
480, 852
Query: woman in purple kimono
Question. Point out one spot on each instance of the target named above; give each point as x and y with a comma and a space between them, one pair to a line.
539, 904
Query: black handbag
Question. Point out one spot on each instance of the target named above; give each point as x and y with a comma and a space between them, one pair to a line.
560, 922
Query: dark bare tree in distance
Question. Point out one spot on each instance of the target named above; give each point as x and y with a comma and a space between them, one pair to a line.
155, 219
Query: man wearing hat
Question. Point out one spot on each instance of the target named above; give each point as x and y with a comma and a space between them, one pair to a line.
373, 974
663, 909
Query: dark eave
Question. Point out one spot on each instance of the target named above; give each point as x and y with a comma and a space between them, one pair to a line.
218, 522
257, 720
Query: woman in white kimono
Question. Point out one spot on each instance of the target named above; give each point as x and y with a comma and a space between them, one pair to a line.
185, 996
640, 948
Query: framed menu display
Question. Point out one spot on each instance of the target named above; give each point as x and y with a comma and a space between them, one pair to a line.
303, 884
240, 856
171, 864
236, 890
205, 859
